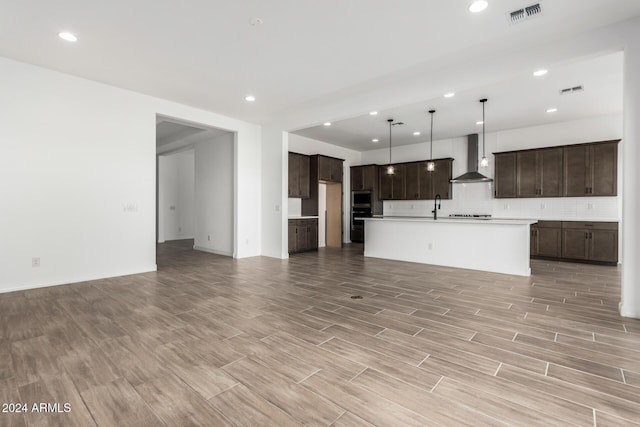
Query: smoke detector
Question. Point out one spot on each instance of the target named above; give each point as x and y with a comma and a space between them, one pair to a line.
569, 90
521, 15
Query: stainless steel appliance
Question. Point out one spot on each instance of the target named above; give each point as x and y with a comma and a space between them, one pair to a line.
361, 199
357, 225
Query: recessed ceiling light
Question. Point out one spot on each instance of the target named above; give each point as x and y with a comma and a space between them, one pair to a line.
327, 123
373, 113
478, 6
68, 36
479, 122
416, 133
249, 98
375, 140
539, 73
449, 95
552, 110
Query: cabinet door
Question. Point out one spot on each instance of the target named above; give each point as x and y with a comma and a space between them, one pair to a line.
386, 184
336, 170
533, 240
442, 178
427, 182
399, 182
526, 170
575, 243
293, 236
550, 172
549, 242
576, 160
312, 230
505, 175
357, 178
304, 163
294, 175
412, 180
324, 168
603, 245
604, 170
369, 176
302, 234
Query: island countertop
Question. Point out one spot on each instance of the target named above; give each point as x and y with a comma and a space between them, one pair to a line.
446, 219
495, 245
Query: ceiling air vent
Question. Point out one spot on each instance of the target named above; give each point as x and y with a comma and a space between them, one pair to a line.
525, 13
569, 90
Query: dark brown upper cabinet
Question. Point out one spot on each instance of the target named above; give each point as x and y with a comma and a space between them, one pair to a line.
364, 177
412, 181
539, 172
442, 176
392, 187
298, 175
591, 169
329, 169
569, 171
505, 175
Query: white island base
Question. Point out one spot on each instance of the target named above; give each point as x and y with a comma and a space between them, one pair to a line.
495, 245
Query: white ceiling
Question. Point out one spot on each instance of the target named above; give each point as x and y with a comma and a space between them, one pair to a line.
521, 101
305, 55
174, 136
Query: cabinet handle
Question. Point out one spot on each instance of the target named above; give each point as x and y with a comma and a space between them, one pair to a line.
586, 234
590, 235
586, 190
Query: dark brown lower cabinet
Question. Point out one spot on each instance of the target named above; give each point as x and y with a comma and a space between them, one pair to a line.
546, 239
590, 241
595, 242
303, 235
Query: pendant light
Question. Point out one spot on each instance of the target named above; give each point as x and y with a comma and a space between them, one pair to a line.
484, 162
390, 169
431, 166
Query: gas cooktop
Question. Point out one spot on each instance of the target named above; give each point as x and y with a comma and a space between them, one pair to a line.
470, 216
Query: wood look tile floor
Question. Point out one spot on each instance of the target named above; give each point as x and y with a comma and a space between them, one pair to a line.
208, 340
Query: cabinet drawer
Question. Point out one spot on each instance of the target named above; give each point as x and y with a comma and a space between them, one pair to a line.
547, 224
591, 225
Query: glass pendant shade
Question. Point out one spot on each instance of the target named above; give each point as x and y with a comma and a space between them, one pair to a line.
431, 166
390, 169
484, 162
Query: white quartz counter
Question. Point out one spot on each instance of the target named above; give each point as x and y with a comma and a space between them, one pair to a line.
495, 245
303, 217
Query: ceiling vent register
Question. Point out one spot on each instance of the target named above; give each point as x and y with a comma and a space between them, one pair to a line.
525, 13
571, 90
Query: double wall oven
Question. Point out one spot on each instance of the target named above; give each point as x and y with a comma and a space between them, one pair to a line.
361, 207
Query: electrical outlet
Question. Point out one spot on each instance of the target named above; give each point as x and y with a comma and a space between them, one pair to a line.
209, 237
35, 262
277, 208
542, 206
179, 229
589, 206
430, 246
505, 206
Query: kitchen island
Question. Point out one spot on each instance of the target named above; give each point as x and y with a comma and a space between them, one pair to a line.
495, 245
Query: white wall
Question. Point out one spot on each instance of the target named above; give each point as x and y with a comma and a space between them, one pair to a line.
214, 195
78, 174
176, 196
303, 145
478, 197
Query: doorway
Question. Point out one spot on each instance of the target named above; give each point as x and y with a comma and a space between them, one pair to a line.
195, 187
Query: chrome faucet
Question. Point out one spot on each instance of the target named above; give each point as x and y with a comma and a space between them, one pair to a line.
436, 205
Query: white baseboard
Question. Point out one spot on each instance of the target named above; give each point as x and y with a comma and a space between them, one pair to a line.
212, 251
632, 313
27, 286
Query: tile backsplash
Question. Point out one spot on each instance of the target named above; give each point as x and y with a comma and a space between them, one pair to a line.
477, 198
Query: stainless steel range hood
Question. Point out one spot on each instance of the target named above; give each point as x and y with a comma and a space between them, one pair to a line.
472, 174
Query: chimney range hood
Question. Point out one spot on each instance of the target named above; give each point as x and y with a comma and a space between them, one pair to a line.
472, 175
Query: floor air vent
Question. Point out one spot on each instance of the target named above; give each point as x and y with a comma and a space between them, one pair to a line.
525, 13
569, 90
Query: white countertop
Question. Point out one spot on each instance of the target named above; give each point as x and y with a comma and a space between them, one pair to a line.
304, 217
446, 219
572, 219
